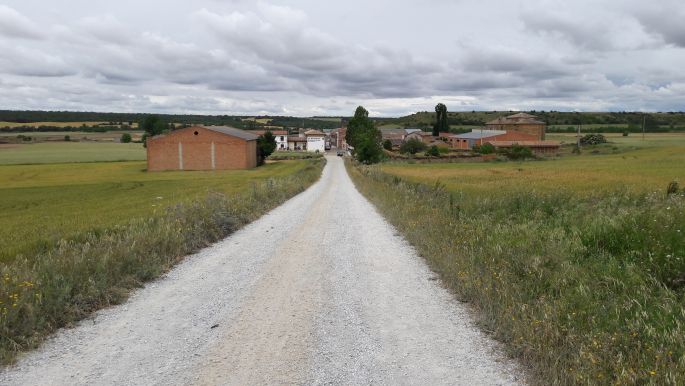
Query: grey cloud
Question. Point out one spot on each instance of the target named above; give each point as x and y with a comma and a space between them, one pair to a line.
14, 24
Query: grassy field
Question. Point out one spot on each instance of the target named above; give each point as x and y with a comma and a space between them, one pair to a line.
44, 203
63, 152
632, 166
77, 237
577, 264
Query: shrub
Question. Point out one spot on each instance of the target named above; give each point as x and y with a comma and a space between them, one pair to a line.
412, 146
125, 138
387, 145
625, 133
592, 139
673, 188
486, 149
517, 152
67, 138
368, 150
433, 151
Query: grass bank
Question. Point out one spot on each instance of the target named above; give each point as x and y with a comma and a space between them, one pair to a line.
94, 268
42, 204
63, 152
585, 287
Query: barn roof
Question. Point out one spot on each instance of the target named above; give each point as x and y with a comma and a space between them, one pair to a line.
525, 143
478, 134
232, 131
516, 119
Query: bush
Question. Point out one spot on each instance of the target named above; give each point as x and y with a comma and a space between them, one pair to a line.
67, 138
592, 139
625, 133
126, 138
368, 150
433, 151
387, 145
485, 149
517, 152
412, 146
673, 188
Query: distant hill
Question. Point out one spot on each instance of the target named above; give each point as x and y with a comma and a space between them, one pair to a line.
556, 120
458, 121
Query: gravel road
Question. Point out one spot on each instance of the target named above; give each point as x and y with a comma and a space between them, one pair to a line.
321, 290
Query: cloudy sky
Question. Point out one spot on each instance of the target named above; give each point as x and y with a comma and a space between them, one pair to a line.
313, 57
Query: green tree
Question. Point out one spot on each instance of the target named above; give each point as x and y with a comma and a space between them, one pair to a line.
440, 120
360, 124
412, 146
433, 151
67, 138
153, 125
125, 138
368, 150
266, 144
387, 145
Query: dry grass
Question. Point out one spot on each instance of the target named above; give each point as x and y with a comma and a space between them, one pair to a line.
576, 264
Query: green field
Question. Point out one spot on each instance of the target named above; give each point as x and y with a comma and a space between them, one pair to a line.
63, 152
576, 263
43, 203
626, 162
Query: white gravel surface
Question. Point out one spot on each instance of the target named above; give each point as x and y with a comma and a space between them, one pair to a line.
321, 290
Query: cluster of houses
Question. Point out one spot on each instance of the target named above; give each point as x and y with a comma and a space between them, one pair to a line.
519, 129
222, 147
310, 140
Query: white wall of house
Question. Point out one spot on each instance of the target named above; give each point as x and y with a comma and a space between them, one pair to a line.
315, 143
281, 142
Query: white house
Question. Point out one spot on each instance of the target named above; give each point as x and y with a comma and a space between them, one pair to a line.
281, 137
316, 141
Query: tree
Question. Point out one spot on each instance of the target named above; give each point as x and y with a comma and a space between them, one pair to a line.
368, 150
153, 125
359, 125
440, 120
412, 146
387, 145
125, 138
67, 138
266, 144
433, 151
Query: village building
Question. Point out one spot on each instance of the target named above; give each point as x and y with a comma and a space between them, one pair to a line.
316, 141
478, 137
521, 122
202, 148
281, 137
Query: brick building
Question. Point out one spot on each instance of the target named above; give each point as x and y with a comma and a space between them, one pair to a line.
467, 141
202, 148
521, 122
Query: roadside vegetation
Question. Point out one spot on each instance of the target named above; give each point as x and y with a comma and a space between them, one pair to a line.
577, 264
79, 237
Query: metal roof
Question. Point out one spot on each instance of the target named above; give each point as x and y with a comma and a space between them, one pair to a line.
232, 131
478, 134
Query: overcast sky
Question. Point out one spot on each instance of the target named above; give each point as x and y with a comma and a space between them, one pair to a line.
313, 57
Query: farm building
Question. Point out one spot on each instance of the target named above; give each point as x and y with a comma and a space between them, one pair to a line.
467, 141
521, 122
281, 137
316, 141
202, 148
537, 147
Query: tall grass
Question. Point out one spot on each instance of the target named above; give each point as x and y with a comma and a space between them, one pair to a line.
99, 268
583, 289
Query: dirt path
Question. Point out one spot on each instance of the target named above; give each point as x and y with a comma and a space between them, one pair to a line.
319, 291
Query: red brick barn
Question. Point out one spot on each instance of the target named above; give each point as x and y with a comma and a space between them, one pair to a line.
202, 148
